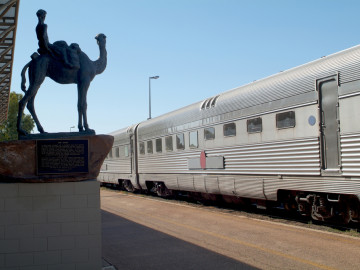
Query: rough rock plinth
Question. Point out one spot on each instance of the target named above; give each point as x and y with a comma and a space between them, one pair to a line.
18, 161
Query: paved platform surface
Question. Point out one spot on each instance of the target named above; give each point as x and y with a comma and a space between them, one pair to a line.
130, 246
140, 232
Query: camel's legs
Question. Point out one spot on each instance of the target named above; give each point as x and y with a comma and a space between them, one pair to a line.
82, 105
22, 104
29, 95
31, 108
86, 126
29, 100
80, 125
35, 80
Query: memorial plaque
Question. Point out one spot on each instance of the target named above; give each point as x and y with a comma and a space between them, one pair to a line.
62, 156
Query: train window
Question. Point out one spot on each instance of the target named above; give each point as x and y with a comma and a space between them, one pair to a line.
230, 129
158, 145
117, 152
254, 125
180, 143
285, 120
126, 150
193, 139
142, 148
111, 153
169, 143
149, 147
209, 133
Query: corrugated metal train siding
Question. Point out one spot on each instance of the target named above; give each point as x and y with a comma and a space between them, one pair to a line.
350, 154
245, 164
118, 165
172, 162
212, 185
300, 157
249, 187
186, 182
114, 169
199, 183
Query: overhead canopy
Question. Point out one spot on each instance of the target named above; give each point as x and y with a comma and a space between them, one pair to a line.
8, 21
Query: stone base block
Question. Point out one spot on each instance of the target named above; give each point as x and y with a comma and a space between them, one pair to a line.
50, 225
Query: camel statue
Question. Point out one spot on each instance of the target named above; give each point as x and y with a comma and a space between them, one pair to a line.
45, 65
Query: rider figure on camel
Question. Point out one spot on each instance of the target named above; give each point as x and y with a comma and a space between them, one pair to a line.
59, 50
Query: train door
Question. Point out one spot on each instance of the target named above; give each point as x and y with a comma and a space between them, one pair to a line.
133, 156
329, 124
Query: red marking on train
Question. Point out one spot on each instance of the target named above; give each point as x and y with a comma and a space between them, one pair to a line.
203, 160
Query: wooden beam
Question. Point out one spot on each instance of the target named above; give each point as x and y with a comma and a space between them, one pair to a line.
5, 7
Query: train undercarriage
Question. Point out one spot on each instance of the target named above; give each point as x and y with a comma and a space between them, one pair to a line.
321, 206
331, 208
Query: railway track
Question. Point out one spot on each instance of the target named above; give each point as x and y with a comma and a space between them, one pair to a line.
270, 214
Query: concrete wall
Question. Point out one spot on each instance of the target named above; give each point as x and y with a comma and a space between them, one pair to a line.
50, 226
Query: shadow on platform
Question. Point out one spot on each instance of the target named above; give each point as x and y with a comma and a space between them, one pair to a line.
130, 246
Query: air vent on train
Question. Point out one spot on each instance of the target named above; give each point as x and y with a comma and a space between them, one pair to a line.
209, 103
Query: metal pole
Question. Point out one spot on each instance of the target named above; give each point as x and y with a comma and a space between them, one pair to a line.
154, 77
149, 98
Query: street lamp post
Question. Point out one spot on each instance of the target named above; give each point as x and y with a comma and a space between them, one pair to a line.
154, 77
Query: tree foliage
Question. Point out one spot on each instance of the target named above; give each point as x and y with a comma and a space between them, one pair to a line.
8, 129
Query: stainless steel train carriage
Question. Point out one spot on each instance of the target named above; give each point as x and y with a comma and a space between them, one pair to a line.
292, 138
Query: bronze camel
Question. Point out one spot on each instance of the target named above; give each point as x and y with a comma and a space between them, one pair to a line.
46, 65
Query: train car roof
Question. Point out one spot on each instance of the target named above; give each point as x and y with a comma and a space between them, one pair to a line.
119, 131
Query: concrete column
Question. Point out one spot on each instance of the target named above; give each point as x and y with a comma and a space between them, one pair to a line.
50, 226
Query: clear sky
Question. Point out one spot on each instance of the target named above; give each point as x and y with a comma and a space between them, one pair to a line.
199, 48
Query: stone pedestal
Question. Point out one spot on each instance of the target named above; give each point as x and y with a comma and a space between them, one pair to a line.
49, 214
18, 160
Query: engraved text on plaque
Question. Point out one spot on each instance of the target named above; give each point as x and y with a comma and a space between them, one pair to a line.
62, 156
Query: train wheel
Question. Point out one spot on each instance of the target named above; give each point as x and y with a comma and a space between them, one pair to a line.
161, 190
128, 186
352, 209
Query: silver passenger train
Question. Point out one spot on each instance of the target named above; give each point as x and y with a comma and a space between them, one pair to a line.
292, 138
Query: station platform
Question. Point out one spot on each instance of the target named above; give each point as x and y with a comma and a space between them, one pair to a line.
129, 246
